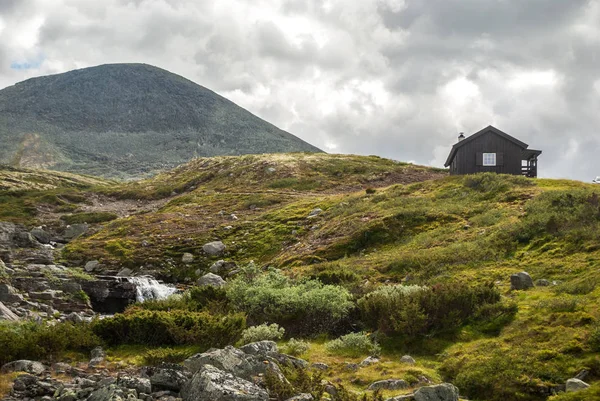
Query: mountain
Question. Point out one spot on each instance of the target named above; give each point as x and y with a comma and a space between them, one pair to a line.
126, 120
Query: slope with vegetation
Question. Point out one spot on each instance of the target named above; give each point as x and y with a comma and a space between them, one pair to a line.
408, 259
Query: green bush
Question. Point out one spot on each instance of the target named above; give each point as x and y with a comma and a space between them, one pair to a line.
196, 299
353, 344
561, 303
34, 341
262, 332
165, 355
296, 347
90, 218
177, 327
303, 308
414, 311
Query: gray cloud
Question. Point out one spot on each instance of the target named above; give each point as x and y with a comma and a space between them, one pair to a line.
398, 78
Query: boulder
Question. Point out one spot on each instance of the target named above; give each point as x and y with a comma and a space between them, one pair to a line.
7, 314
212, 280
112, 393
576, 385
389, 384
408, 359
41, 235
542, 282
220, 266
262, 348
75, 230
520, 281
213, 384
97, 356
8, 294
231, 360
91, 265
368, 361
125, 272
319, 366
214, 248
187, 258
315, 212
139, 384
166, 376
74, 317
23, 365
441, 392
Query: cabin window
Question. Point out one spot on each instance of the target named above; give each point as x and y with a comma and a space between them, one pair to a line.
489, 159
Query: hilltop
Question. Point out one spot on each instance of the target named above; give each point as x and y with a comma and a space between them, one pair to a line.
382, 231
126, 120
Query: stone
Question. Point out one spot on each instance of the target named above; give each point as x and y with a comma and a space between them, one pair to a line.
315, 212
319, 366
221, 266
75, 230
139, 384
440, 392
301, 397
352, 367
23, 365
368, 361
91, 265
214, 248
262, 348
125, 272
576, 385
166, 376
389, 384
406, 397
212, 280
408, 359
97, 356
542, 282
520, 281
41, 235
74, 317
8, 294
7, 314
61, 367
211, 383
187, 258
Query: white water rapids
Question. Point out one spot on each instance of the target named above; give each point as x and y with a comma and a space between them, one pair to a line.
149, 288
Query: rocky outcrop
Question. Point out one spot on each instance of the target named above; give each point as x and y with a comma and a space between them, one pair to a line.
576, 385
166, 376
520, 281
110, 294
389, 384
23, 365
7, 314
440, 392
211, 383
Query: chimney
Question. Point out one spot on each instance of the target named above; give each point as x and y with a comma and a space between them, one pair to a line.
461, 137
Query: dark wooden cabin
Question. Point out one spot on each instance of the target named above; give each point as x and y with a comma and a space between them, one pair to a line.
491, 150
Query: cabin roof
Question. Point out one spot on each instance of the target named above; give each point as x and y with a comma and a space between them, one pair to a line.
476, 135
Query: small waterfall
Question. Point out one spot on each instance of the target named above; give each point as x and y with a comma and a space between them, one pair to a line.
149, 288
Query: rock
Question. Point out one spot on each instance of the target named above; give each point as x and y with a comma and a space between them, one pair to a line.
576, 385
125, 272
389, 384
24, 365
8, 294
212, 280
7, 314
315, 212
166, 376
330, 389
91, 265
97, 356
75, 230
211, 383
407, 397
441, 392
368, 361
542, 282
74, 317
42, 256
112, 393
61, 367
214, 248
288, 360
582, 375
301, 397
41, 236
520, 281
352, 367
319, 366
262, 348
408, 359
139, 384
221, 266
187, 258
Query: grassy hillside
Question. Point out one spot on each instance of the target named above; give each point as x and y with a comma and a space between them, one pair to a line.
384, 223
126, 120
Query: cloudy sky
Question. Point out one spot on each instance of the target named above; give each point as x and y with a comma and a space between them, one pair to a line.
395, 78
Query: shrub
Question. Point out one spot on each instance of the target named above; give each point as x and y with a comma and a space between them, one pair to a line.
137, 326
34, 341
370, 191
353, 344
561, 303
303, 308
413, 311
296, 347
262, 332
165, 355
594, 338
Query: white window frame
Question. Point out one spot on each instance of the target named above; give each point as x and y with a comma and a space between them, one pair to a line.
489, 159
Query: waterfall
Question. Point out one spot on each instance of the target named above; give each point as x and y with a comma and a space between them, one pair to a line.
149, 288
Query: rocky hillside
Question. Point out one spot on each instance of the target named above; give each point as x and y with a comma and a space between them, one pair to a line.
126, 120
379, 274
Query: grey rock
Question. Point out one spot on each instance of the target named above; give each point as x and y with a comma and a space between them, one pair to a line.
408, 359
41, 235
262, 348
7, 314
212, 280
315, 212
61, 367
352, 367
576, 385
368, 361
542, 282
125, 272
74, 317
187, 258
213, 384
330, 389
214, 248
319, 366
520, 281
221, 266
166, 376
407, 397
91, 265
111, 393
41, 256
389, 384
440, 392
139, 384
301, 397
288, 360
23, 365
75, 230
97, 356
582, 374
